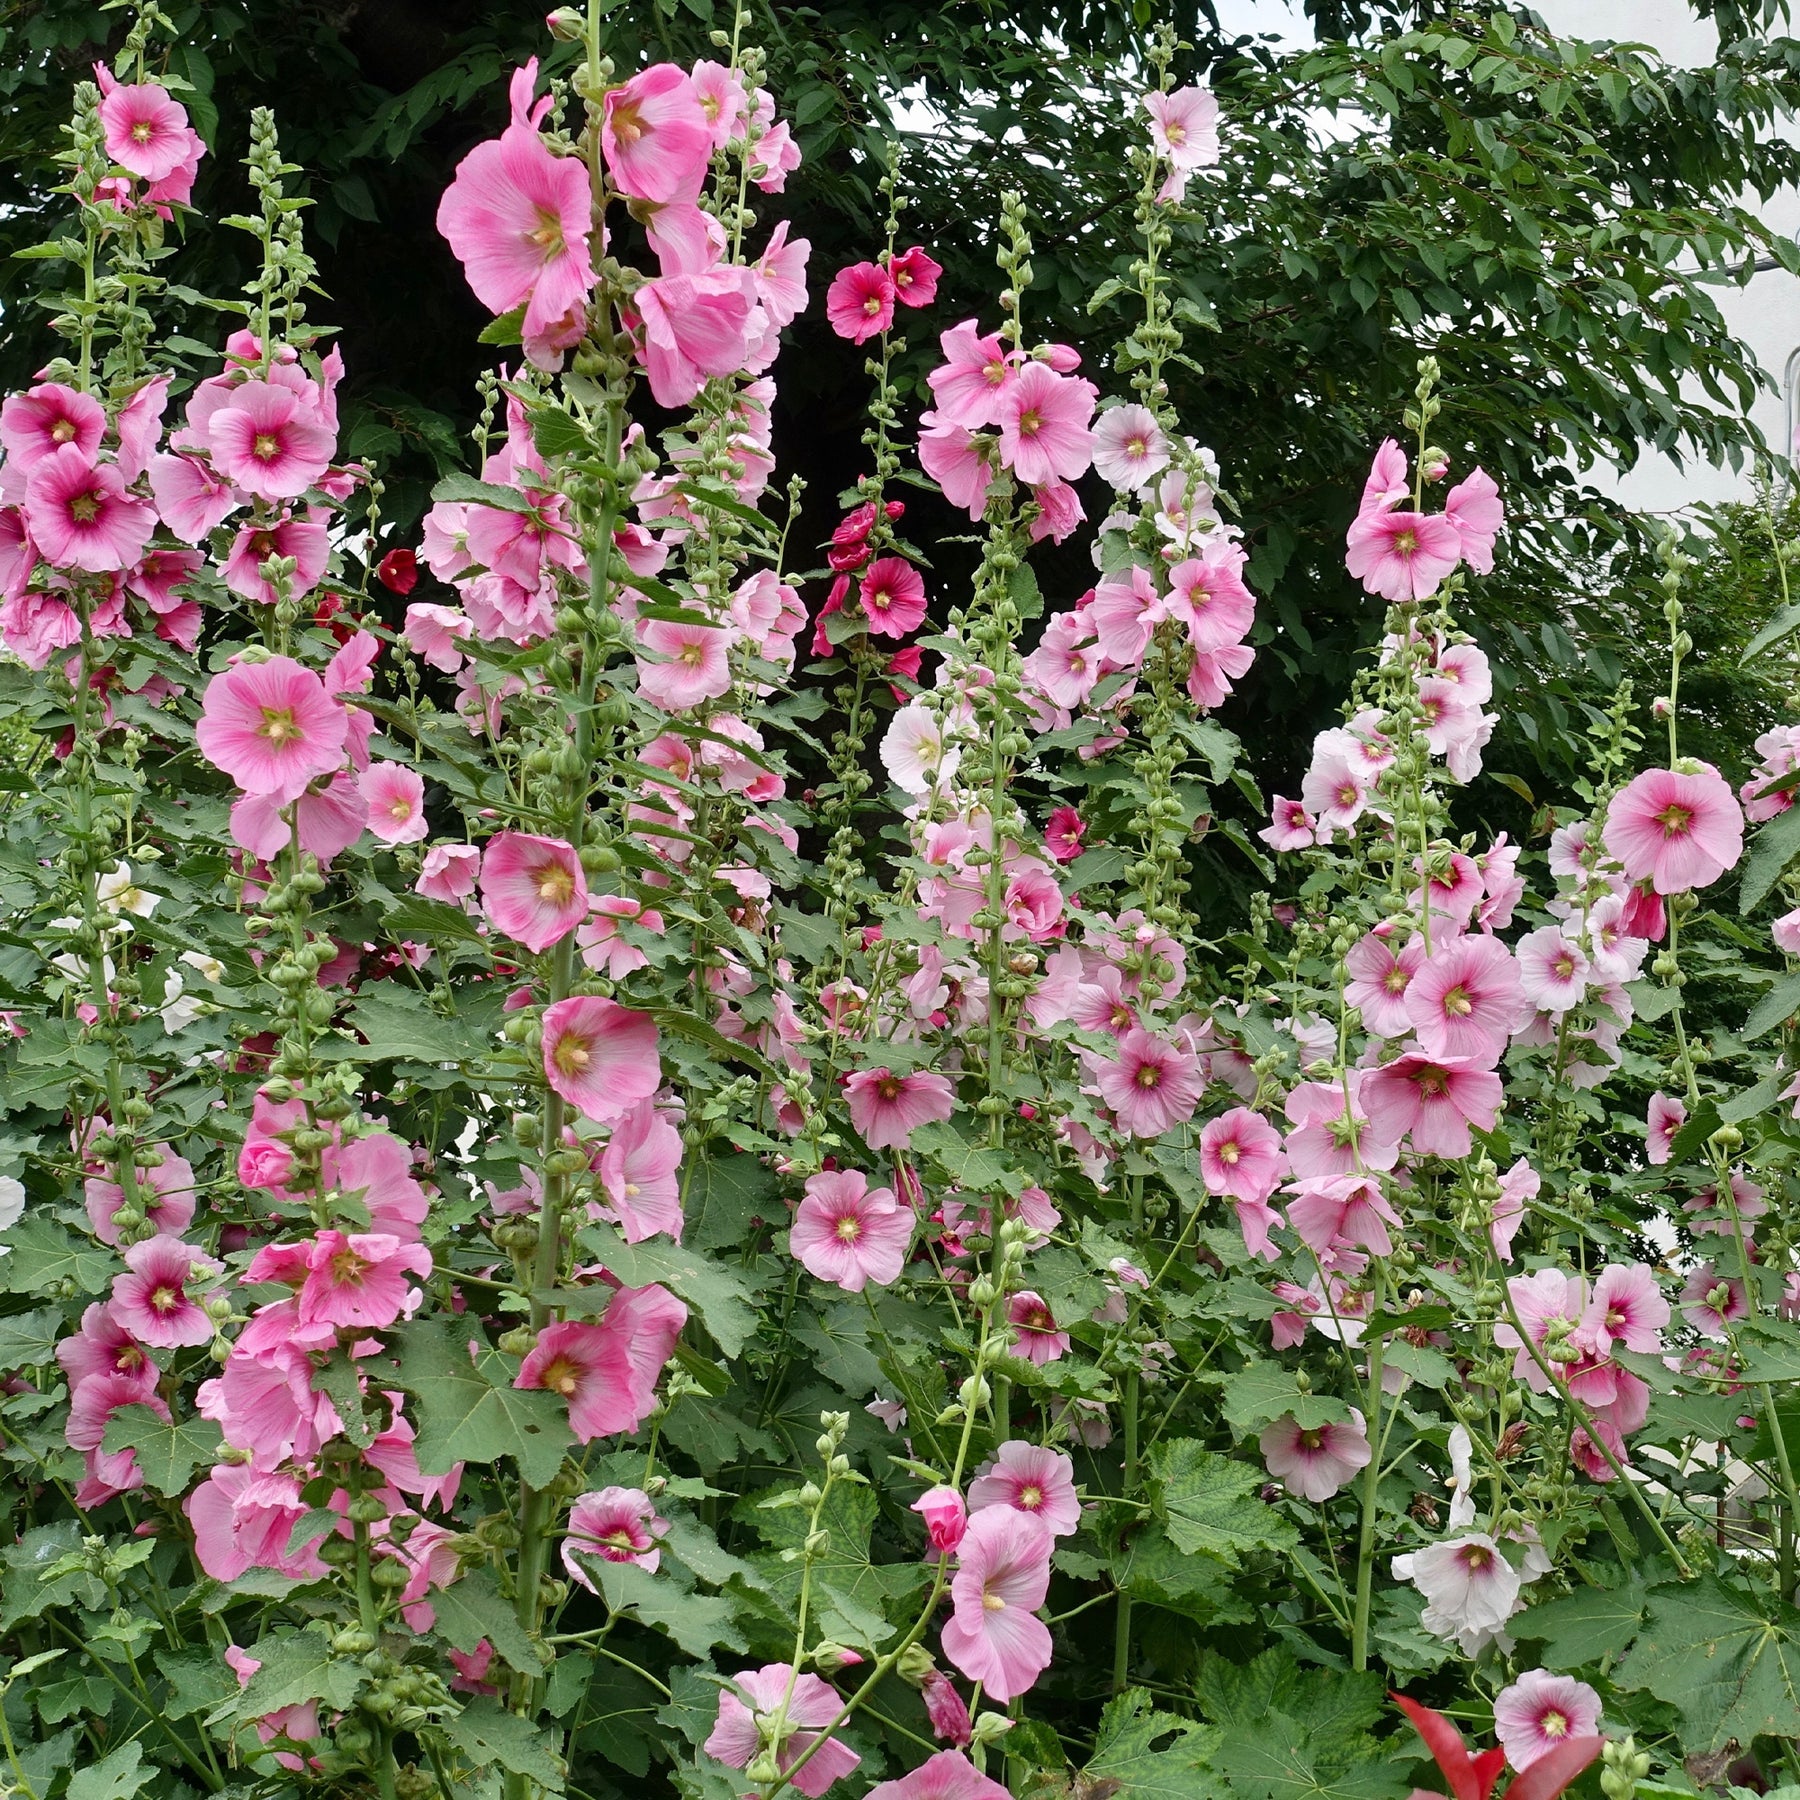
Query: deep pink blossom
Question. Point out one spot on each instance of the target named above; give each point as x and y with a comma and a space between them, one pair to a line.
1036, 1336
887, 1108
532, 888
1464, 1000
893, 597
1241, 1155
589, 1367
306, 540
1676, 830
753, 1702
848, 1234
614, 1524
152, 1300
599, 1056
269, 441
693, 666
271, 727
40, 421
1666, 1118
1434, 1099
695, 328
655, 136
1002, 1576
80, 516
1044, 425
1151, 1085
145, 127
860, 302
951, 1724
946, 1518
915, 276
361, 1279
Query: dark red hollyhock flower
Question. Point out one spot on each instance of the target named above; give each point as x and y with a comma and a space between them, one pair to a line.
398, 571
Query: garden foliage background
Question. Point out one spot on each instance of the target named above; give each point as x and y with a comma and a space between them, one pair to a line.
1054, 1152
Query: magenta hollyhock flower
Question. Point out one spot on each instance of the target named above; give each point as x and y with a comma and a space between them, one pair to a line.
749, 1708
1379, 977
860, 302
849, 1234
243, 1519
1675, 829
448, 872
1473, 508
102, 1347
949, 1775
152, 1301
145, 128
517, 217
269, 441
306, 540
1290, 826
915, 276
1541, 1712
1402, 555
1627, 1307
361, 1279
1434, 1098
695, 326
1044, 425
694, 665
1002, 1576
614, 1524
887, 1109
1062, 834
40, 421
1666, 1118
599, 1056
1029, 1478
966, 388
656, 137
1035, 1333
946, 1518
1465, 999
1241, 1155
395, 797
893, 597
80, 516
1316, 1461
638, 1174
532, 888
271, 727
1152, 1084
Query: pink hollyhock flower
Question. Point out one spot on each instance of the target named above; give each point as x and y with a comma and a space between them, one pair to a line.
950, 1721
532, 888
1342, 1209
80, 516
243, 1519
517, 217
271, 727
945, 1516
1184, 127
957, 463
947, 1776
1066, 665
1124, 615
145, 127
1435, 1099
1331, 1136
395, 796
269, 441
1130, 449
435, 634
1402, 555
376, 1170
1676, 830
360, 1279
967, 387
749, 1708
1473, 508
1290, 826
591, 1368
617, 1525
847, 1234
1208, 594
1540, 1713
860, 302
152, 1301
448, 872
1241, 1155
1627, 1308
1379, 975
306, 540
638, 1174
1518, 1186
328, 821
696, 664
1043, 418
1062, 834
1002, 1576
1553, 972
1665, 1121
103, 1347
695, 327
600, 935
190, 498
40, 421
1035, 1334
1152, 1085
887, 1109
656, 137
265, 1403
165, 1197
915, 277
1315, 1462
1029, 1478
91, 1409
893, 597
1464, 1000
600, 1057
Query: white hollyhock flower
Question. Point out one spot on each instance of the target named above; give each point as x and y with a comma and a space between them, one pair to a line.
12, 1203
1470, 1589
117, 893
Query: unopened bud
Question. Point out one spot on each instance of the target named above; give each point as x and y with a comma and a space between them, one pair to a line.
564, 25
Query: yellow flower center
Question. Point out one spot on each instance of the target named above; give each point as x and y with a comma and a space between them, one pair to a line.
85, 508
572, 1054
266, 447
1675, 819
63, 431
555, 885
561, 1376
1406, 542
165, 1299
1458, 1004
279, 725
848, 1230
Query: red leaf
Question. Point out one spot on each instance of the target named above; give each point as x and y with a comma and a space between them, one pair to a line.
1487, 1769
1450, 1753
1551, 1773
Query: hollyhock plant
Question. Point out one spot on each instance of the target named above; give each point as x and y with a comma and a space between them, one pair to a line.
1002, 1575
1043, 418
848, 1234
600, 1056
796, 1709
395, 798
39, 422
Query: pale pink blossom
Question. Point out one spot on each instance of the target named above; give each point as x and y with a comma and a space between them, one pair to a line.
1540, 1712
639, 1174
1029, 1478
614, 1524
949, 1775
887, 1108
1316, 1461
693, 663
244, 1519
1130, 448
395, 797
599, 1056
1666, 1118
804, 1703
1676, 830
1473, 508
1627, 1307
449, 872
604, 948
848, 1234
1553, 972
1290, 826
1435, 1100
1380, 973
1002, 1576
1403, 555
1151, 1085
532, 888
271, 727
1464, 1000
966, 388
1333, 1210
1519, 1186
695, 328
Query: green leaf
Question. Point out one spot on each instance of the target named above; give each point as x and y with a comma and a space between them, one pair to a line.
116, 1777
724, 1196
457, 486
1420, 1318
1152, 1755
1152, 1571
471, 1412
695, 1621
1264, 1391
167, 1451
1583, 1627
401, 1026
1771, 850
557, 433
1777, 628
1726, 1661
28, 1340
1273, 1761
1210, 1505
719, 1294
42, 1253
474, 1608
1781, 1002
508, 329
486, 1733
294, 1669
